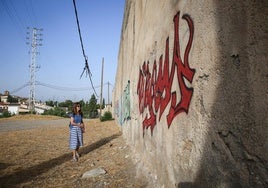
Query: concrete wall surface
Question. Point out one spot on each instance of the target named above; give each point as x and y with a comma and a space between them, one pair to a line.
191, 92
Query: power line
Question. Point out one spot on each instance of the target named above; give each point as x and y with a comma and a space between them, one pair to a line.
52, 87
37, 83
20, 88
56, 87
30, 12
86, 68
17, 15
64, 88
14, 18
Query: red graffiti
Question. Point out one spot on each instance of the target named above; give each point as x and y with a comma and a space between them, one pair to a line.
154, 89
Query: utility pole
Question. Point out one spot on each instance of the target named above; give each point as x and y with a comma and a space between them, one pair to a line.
101, 87
34, 37
108, 93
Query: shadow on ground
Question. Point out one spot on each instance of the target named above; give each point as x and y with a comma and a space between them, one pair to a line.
34, 171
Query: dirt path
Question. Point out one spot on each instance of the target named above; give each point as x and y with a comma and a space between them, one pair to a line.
34, 153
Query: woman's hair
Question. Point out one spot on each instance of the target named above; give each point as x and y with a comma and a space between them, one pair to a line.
75, 111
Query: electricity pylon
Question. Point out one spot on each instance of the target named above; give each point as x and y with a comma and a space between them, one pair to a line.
34, 36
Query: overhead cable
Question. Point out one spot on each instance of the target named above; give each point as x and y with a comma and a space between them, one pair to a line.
86, 68
30, 12
63, 88
55, 87
18, 89
13, 16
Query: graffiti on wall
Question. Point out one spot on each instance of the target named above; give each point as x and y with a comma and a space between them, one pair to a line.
126, 102
154, 87
122, 106
117, 111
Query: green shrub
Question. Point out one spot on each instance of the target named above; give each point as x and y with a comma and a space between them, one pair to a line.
6, 114
107, 116
55, 112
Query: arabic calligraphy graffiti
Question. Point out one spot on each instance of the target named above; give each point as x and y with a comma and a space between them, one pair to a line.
154, 89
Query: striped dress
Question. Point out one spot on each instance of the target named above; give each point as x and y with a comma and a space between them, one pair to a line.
76, 135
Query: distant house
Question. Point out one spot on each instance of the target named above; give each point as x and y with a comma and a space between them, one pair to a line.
41, 107
107, 108
21, 107
14, 108
3, 107
4, 97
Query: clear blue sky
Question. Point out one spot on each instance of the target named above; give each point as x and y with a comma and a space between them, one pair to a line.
61, 59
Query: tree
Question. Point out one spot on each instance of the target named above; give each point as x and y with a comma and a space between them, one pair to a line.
50, 103
85, 109
12, 99
103, 104
93, 112
82, 102
68, 104
55, 112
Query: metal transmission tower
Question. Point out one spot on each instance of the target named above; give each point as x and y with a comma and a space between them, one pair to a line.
34, 37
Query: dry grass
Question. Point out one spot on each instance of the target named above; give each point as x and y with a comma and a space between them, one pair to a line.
41, 157
30, 116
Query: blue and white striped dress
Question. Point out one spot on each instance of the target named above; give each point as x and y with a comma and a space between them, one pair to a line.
76, 135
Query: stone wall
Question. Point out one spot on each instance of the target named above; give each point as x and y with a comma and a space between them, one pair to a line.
191, 92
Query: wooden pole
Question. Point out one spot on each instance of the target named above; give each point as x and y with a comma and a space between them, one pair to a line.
101, 87
108, 93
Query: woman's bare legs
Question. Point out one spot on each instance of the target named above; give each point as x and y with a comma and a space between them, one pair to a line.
76, 152
74, 155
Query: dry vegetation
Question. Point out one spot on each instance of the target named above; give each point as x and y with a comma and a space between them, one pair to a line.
29, 117
40, 157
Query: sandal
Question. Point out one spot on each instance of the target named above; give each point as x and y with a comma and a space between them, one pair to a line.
74, 159
77, 155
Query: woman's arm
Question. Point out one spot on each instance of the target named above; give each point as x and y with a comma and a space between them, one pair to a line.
75, 124
83, 125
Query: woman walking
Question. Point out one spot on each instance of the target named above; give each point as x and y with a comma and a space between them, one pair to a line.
77, 128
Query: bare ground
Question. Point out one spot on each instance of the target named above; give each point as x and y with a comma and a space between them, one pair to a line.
38, 156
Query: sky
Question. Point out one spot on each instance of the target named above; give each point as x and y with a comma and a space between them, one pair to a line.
60, 58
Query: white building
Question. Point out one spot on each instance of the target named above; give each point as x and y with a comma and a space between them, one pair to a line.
3, 107
41, 107
14, 108
11, 108
3, 98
